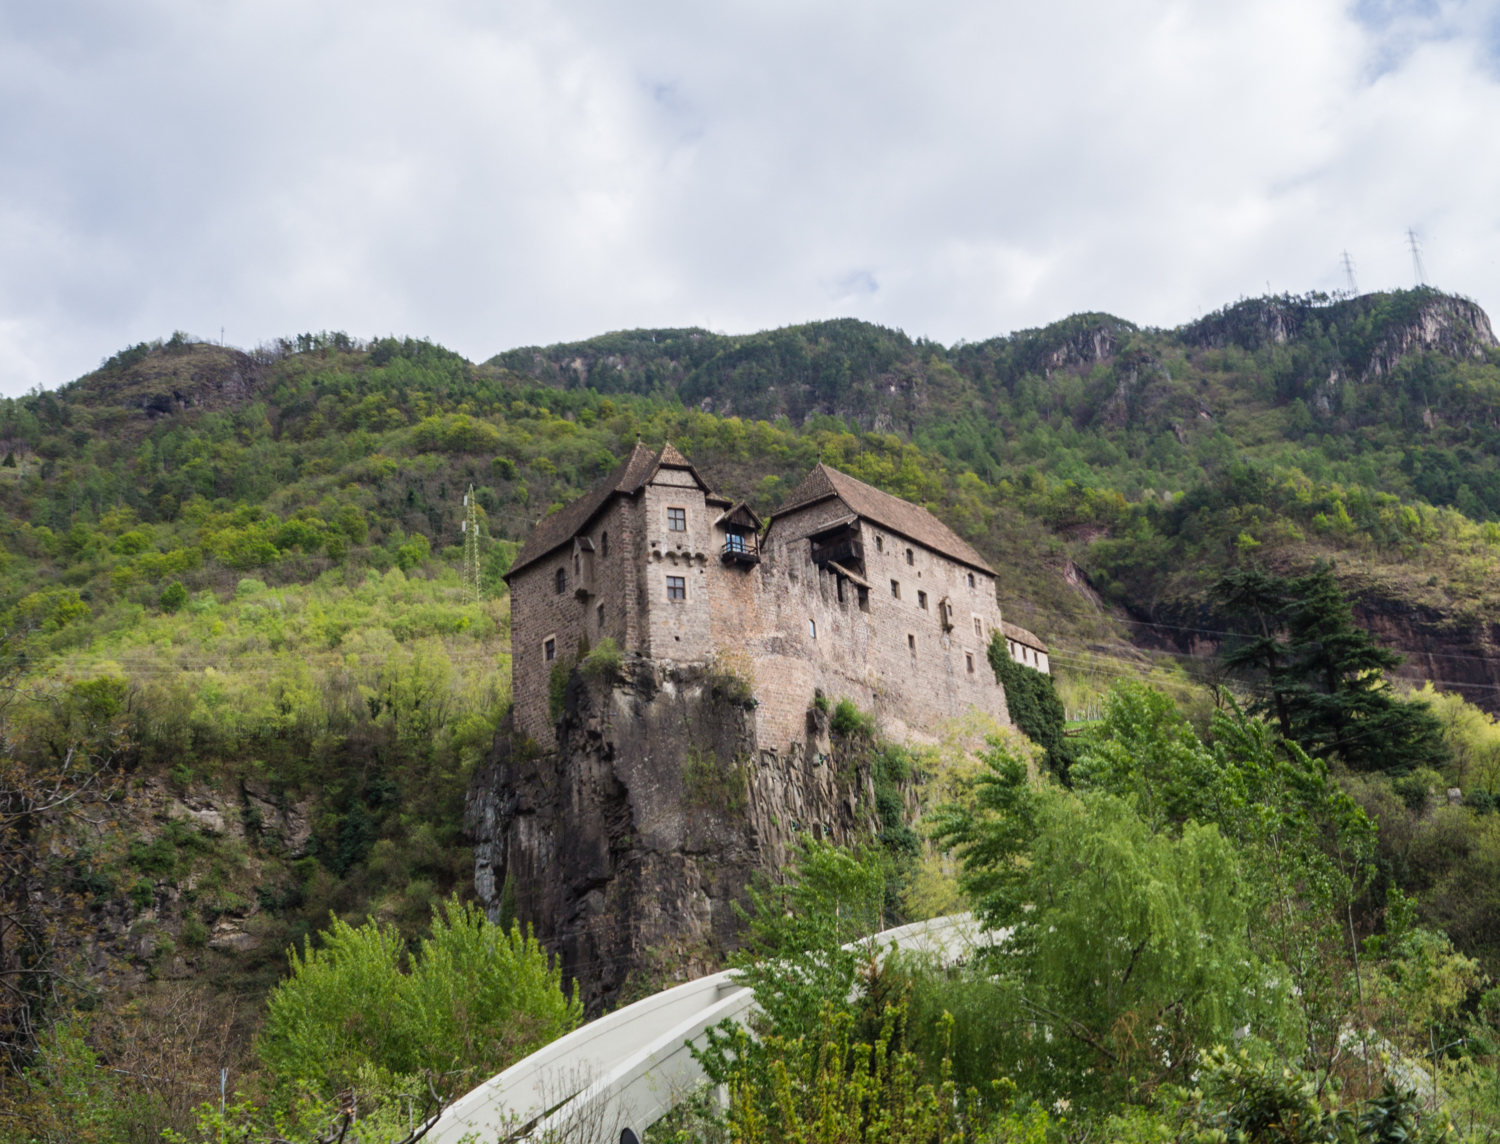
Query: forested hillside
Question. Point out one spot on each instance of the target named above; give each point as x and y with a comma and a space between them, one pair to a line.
238, 640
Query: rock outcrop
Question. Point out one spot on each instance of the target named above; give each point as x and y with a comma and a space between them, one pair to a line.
627, 844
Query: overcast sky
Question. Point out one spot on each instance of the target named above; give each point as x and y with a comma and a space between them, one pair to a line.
500, 174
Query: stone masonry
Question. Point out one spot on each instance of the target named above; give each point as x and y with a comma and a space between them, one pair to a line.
624, 826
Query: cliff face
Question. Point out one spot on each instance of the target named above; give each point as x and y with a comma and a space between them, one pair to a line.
627, 845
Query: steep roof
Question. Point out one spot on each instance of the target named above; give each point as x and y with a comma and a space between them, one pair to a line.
910, 520
1021, 636
636, 470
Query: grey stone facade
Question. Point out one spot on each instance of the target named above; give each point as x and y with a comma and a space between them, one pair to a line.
900, 625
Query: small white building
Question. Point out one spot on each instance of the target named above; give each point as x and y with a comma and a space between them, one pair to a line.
1025, 648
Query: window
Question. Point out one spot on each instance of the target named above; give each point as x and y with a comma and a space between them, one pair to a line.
735, 542
812, 629
971, 579
560, 581
911, 643
910, 557
676, 588
922, 600
880, 544
549, 650
863, 598
978, 628
600, 614
969, 659
896, 589
676, 520
604, 547
840, 580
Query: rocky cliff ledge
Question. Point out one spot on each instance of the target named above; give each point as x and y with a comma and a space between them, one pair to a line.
628, 842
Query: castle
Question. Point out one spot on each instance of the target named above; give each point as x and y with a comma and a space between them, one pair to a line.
623, 812
846, 591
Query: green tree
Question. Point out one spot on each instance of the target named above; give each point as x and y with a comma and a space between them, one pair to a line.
1323, 677
173, 596
475, 999
1128, 946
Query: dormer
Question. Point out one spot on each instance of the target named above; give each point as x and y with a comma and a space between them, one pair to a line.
741, 529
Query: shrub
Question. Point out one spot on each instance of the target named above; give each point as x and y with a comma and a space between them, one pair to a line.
413, 553
557, 689
604, 662
476, 999
850, 722
173, 596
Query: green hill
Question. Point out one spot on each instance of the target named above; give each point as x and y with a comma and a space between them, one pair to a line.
237, 576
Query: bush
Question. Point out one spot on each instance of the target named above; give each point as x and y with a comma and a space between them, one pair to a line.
173, 596
604, 662
850, 722
476, 999
557, 689
413, 553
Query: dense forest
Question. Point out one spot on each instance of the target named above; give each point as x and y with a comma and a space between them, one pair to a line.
246, 683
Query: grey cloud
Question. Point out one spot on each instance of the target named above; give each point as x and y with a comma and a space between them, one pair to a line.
494, 175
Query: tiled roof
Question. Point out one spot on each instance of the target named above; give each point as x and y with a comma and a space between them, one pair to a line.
910, 520
552, 532
1021, 636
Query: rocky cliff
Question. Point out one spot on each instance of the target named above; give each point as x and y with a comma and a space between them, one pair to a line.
628, 842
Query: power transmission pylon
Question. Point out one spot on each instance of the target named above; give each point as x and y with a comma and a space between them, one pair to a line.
1349, 274
1416, 256
471, 547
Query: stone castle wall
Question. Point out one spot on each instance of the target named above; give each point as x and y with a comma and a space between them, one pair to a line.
784, 616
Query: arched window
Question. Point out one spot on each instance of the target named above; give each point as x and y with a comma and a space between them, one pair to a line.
910, 557
561, 581
971, 579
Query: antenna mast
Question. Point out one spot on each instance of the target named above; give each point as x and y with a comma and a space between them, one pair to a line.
1416, 256
471, 547
1349, 274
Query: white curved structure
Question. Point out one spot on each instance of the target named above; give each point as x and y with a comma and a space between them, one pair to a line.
628, 1068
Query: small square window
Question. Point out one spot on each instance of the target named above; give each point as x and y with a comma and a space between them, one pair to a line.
978, 628
910, 557
922, 600
812, 629
896, 589
549, 650
969, 659
677, 520
676, 588
911, 643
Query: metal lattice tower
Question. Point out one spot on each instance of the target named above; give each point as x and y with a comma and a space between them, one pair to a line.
1349, 274
1416, 256
471, 547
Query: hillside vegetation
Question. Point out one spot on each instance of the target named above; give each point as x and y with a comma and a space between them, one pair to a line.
231, 583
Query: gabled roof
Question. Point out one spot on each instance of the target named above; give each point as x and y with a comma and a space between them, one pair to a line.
741, 516
1021, 636
634, 472
910, 520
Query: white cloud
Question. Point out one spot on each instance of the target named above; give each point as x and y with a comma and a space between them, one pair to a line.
494, 175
